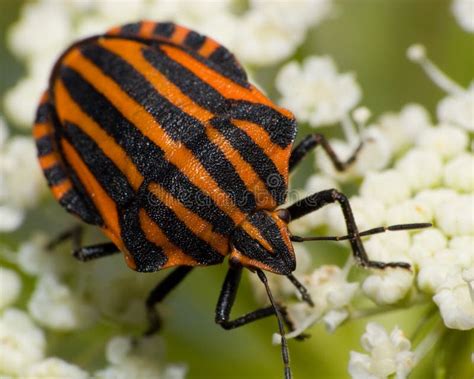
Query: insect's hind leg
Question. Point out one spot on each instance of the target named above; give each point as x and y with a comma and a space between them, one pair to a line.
159, 293
320, 199
310, 142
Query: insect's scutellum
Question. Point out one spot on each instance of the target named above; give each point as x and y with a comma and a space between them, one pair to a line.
153, 133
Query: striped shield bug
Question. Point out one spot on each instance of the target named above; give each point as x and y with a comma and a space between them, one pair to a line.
153, 133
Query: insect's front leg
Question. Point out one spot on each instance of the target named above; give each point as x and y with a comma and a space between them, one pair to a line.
310, 142
320, 199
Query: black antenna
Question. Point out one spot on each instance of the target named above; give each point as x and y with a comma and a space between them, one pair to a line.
380, 229
284, 345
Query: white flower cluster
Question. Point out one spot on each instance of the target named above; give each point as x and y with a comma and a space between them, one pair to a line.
315, 92
412, 172
266, 33
21, 180
389, 355
59, 306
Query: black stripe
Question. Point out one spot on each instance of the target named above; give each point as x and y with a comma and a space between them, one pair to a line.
177, 124
148, 257
133, 28
76, 200
103, 169
200, 92
55, 174
145, 154
226, 59
279, 258
164, 29
179, 234
42, 114
194, 40
44, 145
282, 130
255, 156
74, 203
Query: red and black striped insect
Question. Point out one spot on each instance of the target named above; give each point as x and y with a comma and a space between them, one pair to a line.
153, 133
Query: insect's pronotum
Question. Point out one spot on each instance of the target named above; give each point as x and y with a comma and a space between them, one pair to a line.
153, 133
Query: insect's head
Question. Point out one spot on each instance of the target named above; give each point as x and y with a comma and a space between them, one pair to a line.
263, 241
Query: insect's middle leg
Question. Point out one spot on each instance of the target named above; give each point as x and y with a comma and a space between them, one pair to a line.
227, 299
320, 199
159, 293
312, 141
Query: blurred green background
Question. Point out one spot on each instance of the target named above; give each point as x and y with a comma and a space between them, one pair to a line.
370, 38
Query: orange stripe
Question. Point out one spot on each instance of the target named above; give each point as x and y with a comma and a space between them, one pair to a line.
245, 261
254, 232
59, 190
179, 35
105, 205
175, 152
147, 28
131, 52
279, 156
155, 235
208, 47
47, 161
41, 130
194, 222
69, 110
220, 83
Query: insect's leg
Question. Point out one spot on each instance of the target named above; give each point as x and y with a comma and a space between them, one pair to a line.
83, 253
312, 141
320, 199
227, 299
159, 293
74, 234
88, 253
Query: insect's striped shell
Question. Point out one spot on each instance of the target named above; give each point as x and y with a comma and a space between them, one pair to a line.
153, 133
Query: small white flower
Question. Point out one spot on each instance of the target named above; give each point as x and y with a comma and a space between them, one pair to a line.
409, 211
456, 217
22, 181
316, 92
21, 342
139, 361
10, 287
458, 109
367, 213
403, 128
55, 306
330, 291
426, 243
421, 168
459, 173
463, 10
10, 218
55, 368
455, 303
31, 35
388, 286
445, 139
389, 187
388, 355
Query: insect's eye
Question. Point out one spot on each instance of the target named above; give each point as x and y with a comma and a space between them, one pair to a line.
284, 215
